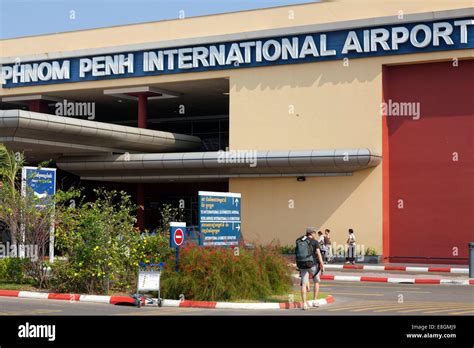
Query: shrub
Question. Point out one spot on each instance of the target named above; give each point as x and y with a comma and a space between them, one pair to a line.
101, 246
216, 274
275, 268
13, 269
371, 252
287, 249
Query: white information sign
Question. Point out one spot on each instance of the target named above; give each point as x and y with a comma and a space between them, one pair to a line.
148, 281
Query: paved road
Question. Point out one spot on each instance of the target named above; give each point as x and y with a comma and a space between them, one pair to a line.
351, 299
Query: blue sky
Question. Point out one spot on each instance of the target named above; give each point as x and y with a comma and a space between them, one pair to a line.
34, 17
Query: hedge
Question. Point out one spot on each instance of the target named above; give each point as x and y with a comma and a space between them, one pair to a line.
219, 274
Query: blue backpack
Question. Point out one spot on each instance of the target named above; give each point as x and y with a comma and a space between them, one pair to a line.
304, 253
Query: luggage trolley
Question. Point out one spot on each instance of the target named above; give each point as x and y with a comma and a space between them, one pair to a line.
149, 280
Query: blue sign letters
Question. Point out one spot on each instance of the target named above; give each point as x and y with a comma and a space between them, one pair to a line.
452, 34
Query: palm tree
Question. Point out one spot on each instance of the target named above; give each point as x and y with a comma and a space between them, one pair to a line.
10, 166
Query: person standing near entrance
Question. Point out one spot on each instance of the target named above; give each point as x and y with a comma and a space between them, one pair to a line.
327, 243
322, 245
351, 247
310, 263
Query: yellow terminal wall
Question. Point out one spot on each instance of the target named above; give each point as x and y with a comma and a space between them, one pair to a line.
322, 105
303, 107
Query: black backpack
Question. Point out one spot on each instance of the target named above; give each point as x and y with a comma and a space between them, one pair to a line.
304, 253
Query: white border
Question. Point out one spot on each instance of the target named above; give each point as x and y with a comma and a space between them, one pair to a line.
219, 194
177, 224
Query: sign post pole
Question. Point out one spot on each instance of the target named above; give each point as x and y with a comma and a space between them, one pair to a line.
177, 259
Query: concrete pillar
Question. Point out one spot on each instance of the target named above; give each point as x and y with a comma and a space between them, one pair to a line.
38, 106
142, 123
142, 111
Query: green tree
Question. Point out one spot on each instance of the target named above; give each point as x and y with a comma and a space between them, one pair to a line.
169, 214
29, 218
101, 246
10, 166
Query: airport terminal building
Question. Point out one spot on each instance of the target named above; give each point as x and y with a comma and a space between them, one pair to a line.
336, 114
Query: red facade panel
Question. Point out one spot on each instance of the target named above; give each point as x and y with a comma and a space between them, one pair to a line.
429, 173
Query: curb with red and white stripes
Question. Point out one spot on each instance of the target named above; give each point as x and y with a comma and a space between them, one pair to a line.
244, 305
68, 297
395, 280
165, 303
399, 268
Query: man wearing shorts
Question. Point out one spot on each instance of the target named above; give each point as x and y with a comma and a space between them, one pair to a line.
312, 273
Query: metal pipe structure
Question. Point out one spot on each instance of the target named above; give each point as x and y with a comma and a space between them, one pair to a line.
210, 166
69, 135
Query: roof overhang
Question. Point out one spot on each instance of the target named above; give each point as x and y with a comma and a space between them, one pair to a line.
50, 134
133, 92
212, 166
24, 99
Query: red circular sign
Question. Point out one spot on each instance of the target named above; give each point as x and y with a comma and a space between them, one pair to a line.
178, 237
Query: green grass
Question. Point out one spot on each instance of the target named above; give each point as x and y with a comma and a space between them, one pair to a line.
285, 298
15, 286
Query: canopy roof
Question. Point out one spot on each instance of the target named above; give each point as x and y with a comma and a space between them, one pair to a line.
211, 166
54, 136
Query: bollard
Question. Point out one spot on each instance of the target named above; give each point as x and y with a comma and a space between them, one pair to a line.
471, 260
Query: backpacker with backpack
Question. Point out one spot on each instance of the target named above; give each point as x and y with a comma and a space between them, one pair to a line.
304, 253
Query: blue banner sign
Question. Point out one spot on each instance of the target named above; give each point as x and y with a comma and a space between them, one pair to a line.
39, 181
219, 218
451, 34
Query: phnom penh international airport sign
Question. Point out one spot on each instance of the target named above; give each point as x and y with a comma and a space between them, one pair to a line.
453, 34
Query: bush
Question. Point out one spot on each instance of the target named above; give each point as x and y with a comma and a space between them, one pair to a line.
102, 248
13, 269
287, 249
371, 252
216, 274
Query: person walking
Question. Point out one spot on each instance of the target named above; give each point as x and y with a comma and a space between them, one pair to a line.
351, 247
309, 263
327, 243
322, 245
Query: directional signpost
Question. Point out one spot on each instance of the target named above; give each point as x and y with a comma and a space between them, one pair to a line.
219, 218
177, 233
40, 182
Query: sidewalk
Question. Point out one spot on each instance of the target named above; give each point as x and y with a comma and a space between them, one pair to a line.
396, 273
394, 268
128, 300
390, 277
410, 268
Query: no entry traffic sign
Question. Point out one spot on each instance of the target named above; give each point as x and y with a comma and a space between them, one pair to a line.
177, 235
